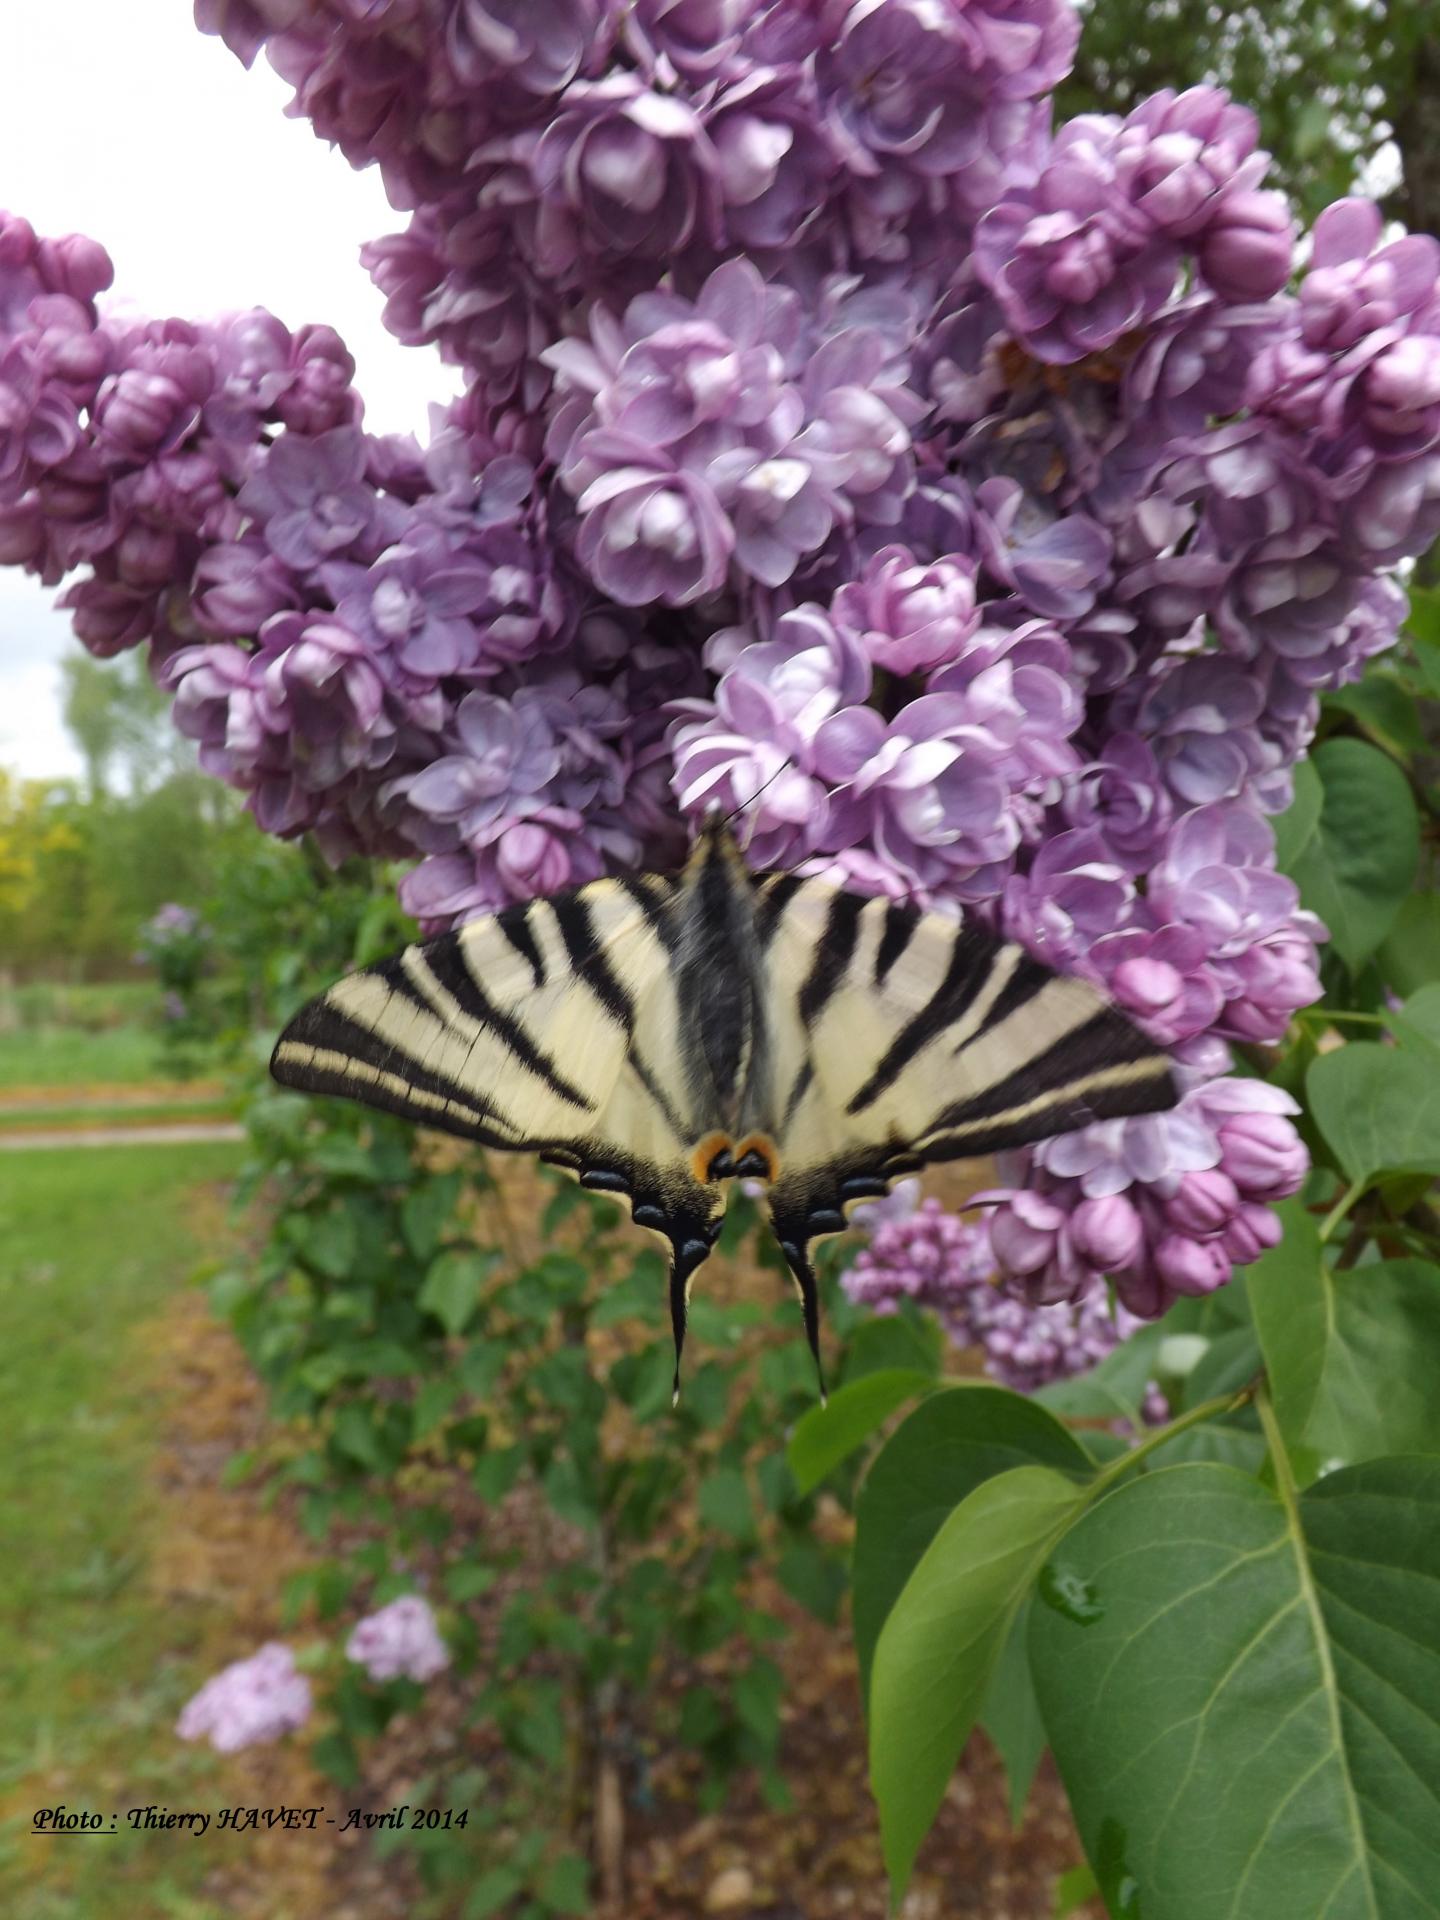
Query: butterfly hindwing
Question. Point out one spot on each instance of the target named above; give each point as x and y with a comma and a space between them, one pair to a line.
909, 1039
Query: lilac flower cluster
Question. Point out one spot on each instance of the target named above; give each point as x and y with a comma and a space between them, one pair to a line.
973, 504
264, 1697
917, 1251
1161, 1206
172, 922
400, 1641
248, 1702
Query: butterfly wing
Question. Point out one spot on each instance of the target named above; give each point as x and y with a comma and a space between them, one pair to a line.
904, 1038
549, 1028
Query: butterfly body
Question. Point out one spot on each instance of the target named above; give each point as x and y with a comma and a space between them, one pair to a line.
657, 1036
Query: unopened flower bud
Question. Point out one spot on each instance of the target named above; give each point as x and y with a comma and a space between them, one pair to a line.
1191, 1266
1106, 1232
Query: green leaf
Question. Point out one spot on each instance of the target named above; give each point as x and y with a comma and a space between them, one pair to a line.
565, 1885
481, 1365
939, 1648
1115, 1389
343, 1157
1422, 623
827, 1435
943, 1451
1073, 1889
1297, 826
335, 1756
907, 1340
328, 1241
1418, 1022
1011, 1715
468, 1579
432, 1403
723, 1498
357, 1436
384, 1360
1246, 1709
1230, 1361
645, 1381
1409, 956
452, 1287
424, 1211
495, 1888
639, 1295
1352, 1357
1218, 1441
1384, 709
1357, 864
1314, 127
1378, 1108
568, 1493
812, 1577
757, 1694
496, 1473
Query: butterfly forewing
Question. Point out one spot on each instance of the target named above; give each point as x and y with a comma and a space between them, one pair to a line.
550, 1028
915, 1039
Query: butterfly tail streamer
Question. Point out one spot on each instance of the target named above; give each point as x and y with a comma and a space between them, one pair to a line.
687, 1258
803, 1274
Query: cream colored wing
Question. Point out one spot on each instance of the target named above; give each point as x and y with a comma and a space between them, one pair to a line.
902, 1038
550, 1028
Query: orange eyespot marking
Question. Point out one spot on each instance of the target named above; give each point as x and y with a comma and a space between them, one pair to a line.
756, 1158
712, 1158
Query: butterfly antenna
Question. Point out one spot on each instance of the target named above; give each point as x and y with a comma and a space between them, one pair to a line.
783, 767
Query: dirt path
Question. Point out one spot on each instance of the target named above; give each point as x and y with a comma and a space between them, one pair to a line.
139, 1136
124, 1093
68, 1108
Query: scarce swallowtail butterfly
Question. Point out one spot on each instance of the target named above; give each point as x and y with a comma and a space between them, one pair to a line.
658, 1036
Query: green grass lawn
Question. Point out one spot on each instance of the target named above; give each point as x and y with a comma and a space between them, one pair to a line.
92, 1670
51, 1056
111, 1003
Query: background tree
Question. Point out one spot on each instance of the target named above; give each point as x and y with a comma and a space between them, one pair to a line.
1332, 82
120, 721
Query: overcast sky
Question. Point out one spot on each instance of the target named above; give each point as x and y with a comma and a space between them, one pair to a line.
121, 121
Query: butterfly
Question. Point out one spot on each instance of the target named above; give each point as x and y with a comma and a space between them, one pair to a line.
657, 1036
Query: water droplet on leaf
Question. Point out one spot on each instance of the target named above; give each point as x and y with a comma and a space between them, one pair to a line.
1069, 1593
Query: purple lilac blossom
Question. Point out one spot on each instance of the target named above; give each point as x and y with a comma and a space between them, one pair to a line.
249, 1702
1159, 1206
399, 1641
959, 498
916, 1251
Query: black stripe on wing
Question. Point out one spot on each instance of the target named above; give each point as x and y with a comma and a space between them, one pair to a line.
652, 893
834, 951
325, 1051
1154, 1093
972, 957
1103, 1041
514, 923
447, 960
775, 894
587, 958
901, 919
1028, 980
1105, 1069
